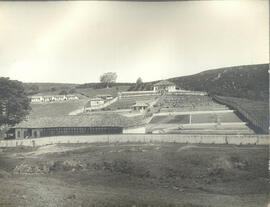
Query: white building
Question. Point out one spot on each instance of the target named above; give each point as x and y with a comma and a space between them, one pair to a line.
140, 106
105, 96
96, 102
165, 85
37, 99
71, 97
51, 98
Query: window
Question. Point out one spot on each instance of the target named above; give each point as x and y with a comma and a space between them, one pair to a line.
35, 133
19, 134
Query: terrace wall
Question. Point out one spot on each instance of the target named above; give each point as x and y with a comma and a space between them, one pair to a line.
136, 93
142, 138
253, 120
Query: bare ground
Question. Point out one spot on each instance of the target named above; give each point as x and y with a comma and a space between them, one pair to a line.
134, 175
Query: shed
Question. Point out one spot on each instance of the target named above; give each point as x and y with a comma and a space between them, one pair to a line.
140, 106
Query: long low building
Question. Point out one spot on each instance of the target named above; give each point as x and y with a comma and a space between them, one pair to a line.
50, 98
73, 125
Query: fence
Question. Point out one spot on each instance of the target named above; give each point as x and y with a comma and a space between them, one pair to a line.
142, 138
262, 125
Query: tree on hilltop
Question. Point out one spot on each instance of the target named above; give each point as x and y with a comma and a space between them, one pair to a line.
139, 84
108, 78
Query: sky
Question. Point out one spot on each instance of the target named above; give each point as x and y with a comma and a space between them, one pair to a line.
76, 42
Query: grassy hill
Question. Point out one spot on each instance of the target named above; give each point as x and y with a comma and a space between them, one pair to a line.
87, 89
48, 88
91, 92
250, 81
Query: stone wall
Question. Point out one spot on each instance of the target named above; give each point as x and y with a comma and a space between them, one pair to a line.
142, 138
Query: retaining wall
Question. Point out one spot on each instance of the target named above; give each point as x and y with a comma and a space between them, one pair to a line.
141, 138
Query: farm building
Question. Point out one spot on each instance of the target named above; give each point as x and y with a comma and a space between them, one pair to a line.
164, 85
74, 125
59, 98
72, 97
140, 106
66, 125
105, 96
36, 99
50, 98
96, 101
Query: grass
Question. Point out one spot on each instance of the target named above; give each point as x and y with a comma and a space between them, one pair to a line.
195, 118
258, 111
126, 103
91, 92
181, 119
135, 175
213, 118
56, 109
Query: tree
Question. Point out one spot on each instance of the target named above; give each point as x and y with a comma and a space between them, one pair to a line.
108, 78
72, 90
53, 89
63, 92
139, 81
139, 84
14, 104
31, 90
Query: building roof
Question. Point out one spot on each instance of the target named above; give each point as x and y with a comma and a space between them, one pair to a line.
164, 83
140, 104
93, 120
104, 95
96, 99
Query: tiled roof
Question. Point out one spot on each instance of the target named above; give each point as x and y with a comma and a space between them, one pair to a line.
110, 119
103, 95
96, 99
164, 83
140, 104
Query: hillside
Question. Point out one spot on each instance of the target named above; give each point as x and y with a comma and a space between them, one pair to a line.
91, 92
249, 81
48, 88
87, 89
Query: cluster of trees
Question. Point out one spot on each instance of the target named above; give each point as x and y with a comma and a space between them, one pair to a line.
14, 103
141, 86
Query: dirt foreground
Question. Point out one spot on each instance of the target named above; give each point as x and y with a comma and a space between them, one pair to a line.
82, 175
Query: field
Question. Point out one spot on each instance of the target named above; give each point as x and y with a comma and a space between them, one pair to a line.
195, 118
179, 119
56, 109
127, 102
92, 92
258, 111
134, 175
187, 103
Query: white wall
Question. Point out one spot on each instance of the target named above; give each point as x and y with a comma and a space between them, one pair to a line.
142, 138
